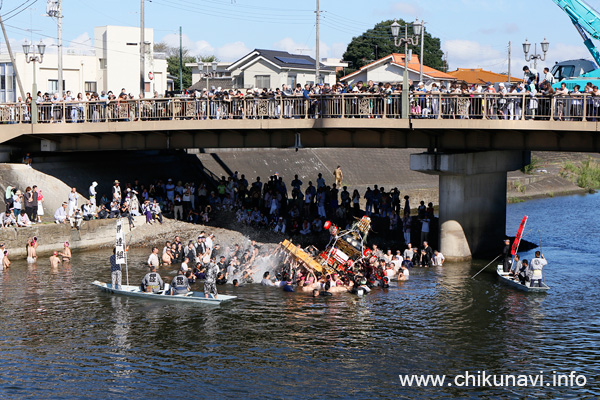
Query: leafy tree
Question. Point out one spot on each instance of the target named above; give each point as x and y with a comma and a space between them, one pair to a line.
173, 62
378, 42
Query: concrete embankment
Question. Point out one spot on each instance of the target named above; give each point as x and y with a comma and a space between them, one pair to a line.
102, 233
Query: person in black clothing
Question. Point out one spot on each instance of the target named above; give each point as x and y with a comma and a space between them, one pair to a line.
428, 256
507, 256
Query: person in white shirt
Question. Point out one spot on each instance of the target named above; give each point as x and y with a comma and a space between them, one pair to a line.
92, 192
60, 215
438, 259
548, 77
536, 265
73, 197
153, 260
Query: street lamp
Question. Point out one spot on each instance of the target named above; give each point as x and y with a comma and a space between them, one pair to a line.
27, 48
527, 46
214, 68
413, 40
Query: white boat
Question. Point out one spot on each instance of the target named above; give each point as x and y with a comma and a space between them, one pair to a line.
505, 277
190, 297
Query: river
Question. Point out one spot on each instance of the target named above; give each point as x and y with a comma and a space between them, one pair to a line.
60, 338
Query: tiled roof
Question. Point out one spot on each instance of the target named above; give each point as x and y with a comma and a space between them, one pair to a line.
414, 65
478, 75
276, 56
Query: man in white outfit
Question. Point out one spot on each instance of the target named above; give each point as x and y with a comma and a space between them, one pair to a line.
73, 196
92, 191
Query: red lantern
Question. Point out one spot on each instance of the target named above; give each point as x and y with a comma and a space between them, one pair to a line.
327, 225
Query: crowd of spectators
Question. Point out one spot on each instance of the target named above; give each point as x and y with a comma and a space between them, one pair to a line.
533, 98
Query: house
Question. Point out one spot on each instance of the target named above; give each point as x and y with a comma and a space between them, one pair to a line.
391, 69
112, 63
271, 69
480, 76
217, 73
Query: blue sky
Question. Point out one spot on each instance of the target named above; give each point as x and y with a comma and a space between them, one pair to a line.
474, 33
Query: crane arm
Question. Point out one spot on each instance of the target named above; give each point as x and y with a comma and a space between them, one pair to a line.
586, 21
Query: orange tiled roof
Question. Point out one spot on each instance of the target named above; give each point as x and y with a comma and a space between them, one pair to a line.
478, 75
413, 64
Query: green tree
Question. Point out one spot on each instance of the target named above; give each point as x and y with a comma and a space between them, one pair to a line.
172, 56
378, 42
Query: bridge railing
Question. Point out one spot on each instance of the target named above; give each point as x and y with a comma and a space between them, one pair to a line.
491, 106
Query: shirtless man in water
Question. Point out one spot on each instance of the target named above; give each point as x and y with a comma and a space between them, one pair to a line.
66, 253
5, 260
32, 244
54, 260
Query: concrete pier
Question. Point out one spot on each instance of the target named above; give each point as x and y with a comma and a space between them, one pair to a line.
472, 198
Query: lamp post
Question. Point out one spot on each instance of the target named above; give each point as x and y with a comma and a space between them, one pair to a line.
413, 40
527, 46
214, 68
27, 48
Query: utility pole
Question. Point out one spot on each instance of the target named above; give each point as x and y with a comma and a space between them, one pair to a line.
180, 61
509, 62
142, 51
317, 66
422, 47
12, 60
59, 17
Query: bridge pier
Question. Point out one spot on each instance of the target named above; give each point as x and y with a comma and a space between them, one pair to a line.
472, 198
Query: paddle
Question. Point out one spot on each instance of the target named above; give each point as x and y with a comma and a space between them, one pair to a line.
540, 237
481, 270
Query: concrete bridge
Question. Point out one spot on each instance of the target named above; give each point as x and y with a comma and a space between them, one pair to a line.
471, 152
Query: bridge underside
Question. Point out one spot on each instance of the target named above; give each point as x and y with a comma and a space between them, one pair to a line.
441, 135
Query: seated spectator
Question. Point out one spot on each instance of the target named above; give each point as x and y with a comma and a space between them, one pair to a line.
23, 220
305, 230
280, 226
76, 219
8, 219
60, 215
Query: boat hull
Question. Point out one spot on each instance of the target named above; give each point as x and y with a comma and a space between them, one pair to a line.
191, 297
517, 285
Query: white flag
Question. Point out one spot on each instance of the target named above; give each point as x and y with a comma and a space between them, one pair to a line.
120, 244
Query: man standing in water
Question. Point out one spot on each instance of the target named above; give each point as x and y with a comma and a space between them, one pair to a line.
54, 260
507, 256
536, 265
153, 260
210, 286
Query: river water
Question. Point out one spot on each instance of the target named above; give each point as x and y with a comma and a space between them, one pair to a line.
61, 338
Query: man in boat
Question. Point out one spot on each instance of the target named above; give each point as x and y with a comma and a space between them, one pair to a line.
523, 272
180, 284
537, 264
210, 286
516, 266
152, 282
115, 271
507, 256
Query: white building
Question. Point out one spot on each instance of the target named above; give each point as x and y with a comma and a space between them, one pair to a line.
113, 64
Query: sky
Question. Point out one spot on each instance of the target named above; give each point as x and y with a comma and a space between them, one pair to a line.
474, 33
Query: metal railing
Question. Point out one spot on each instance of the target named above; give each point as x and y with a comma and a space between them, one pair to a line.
489, 106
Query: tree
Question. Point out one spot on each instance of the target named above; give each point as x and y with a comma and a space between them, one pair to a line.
378, 42
172, 54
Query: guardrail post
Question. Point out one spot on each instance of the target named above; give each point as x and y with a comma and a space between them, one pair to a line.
584, 116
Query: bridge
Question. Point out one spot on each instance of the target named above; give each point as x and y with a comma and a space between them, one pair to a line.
472, 140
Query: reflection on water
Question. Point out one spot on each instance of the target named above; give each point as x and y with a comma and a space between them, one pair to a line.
60, 338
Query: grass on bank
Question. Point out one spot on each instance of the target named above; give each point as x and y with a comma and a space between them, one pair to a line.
532, 166
585, 174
